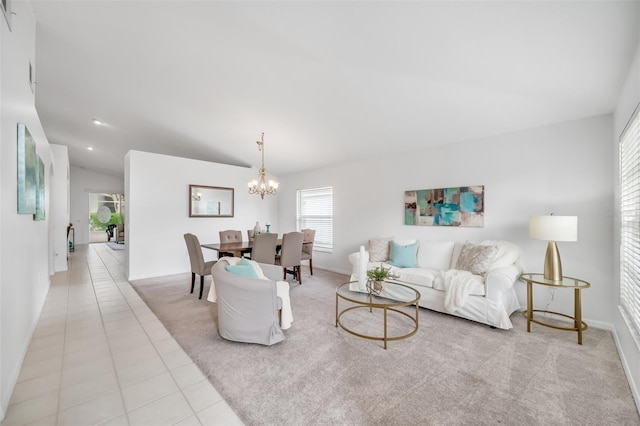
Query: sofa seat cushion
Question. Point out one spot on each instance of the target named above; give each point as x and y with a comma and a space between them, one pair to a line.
418, 276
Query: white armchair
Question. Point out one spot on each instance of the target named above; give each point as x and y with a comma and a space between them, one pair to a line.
250, 310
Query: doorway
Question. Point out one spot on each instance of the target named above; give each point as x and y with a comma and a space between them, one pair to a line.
105, 212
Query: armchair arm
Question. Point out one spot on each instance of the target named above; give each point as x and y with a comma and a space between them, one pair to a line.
499, 280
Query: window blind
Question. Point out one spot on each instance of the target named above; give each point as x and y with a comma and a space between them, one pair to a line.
630, 220
315, 211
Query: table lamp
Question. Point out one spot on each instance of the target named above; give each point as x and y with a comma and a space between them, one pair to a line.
553, 228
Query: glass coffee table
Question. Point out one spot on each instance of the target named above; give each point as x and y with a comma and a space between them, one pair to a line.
393, 297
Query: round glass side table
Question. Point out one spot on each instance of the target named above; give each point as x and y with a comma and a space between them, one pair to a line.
567, 282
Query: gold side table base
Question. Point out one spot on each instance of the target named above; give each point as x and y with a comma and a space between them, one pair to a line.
557, 327
567, 283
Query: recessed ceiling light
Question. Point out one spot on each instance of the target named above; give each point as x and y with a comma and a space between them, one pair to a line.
90, 148
97, 122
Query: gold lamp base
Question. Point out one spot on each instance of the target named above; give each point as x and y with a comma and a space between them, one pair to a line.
552, 264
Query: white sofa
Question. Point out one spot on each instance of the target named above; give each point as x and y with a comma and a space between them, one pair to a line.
485, 295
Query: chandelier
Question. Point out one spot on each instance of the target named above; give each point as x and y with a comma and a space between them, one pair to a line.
261, 185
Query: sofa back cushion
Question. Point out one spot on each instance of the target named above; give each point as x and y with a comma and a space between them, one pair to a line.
435, 254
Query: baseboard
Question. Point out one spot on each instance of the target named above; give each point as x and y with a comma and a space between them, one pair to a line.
599, 324
627, 371
13, 380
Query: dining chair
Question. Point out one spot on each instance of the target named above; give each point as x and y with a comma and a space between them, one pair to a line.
308, 236
251, 234
198, 265
290, 255
264, 248
231, 236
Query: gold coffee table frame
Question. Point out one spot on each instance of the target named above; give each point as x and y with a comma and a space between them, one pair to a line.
567, 282
366, 300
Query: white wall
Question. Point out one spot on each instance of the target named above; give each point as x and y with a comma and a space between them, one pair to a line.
566, 169
84, 182
60, 205
628, 345
157, 210
24, 246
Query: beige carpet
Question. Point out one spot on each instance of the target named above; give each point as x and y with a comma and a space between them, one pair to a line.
452, 372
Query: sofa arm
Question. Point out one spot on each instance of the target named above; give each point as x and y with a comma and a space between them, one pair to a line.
499, 280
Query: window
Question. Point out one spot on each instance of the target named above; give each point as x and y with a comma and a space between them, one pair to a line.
315, 211
630, 220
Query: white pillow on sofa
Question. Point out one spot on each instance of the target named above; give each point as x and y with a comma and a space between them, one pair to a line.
435, 254
508, 253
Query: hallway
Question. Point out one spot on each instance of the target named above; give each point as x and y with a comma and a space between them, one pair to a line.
99, 356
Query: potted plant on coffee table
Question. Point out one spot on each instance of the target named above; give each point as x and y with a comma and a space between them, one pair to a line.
376, 278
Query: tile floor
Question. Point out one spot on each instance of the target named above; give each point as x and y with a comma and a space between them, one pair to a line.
99, 356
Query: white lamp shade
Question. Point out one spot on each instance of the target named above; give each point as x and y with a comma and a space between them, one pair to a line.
554, 228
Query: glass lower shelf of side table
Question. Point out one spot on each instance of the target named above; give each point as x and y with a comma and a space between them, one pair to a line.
390, 300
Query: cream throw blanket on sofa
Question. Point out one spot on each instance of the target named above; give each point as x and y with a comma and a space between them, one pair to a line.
457, 285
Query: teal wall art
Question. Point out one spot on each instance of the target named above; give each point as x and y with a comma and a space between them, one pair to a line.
459, 206
40, 206
27, 170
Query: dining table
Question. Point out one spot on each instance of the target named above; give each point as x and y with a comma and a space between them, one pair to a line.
237, 248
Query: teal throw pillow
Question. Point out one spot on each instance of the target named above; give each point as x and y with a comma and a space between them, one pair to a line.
243, 268
403, 256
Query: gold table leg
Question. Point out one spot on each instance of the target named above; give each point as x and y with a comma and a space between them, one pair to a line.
336, 310
529, 305
385, 328
577, 313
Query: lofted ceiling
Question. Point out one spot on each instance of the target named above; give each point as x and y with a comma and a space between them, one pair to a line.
328, 82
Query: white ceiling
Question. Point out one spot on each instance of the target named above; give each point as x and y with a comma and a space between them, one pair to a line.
328, 82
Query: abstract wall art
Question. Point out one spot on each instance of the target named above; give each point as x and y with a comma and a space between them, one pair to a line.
459, 206
27, 170
40, 206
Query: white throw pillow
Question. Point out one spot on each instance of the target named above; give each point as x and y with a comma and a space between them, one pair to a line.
435, 254
476, 258
379, 249
508, 253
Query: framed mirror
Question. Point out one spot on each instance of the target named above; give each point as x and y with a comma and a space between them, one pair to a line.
210, 201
